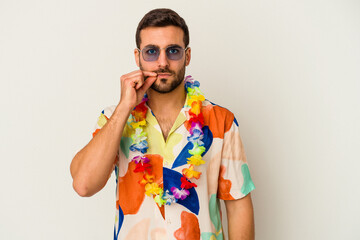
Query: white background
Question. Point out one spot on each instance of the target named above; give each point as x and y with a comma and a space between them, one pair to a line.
288, 69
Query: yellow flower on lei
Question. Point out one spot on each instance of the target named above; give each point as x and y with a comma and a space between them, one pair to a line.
195, 160
152, 189
195, 107
147, 178
191, 173
194, 99
138, 124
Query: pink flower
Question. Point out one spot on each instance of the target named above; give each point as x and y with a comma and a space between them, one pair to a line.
195, 125
180, 194
141, 159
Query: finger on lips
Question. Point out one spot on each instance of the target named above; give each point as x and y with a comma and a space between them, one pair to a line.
138, 78
149, 74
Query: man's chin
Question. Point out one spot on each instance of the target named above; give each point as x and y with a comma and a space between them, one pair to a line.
163, 80
165, 87
159, 89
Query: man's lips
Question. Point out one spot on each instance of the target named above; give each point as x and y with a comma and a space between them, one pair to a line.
163, 74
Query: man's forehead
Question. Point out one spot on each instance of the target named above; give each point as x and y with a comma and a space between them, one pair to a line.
162, 36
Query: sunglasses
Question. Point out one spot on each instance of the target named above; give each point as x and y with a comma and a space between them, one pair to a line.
152, 53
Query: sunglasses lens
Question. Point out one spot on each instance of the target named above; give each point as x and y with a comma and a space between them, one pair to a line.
150, 53
174, 53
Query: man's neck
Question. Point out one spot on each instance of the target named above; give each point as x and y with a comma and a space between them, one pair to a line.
165, 104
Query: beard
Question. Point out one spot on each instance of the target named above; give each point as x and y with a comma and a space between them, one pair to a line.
165, 86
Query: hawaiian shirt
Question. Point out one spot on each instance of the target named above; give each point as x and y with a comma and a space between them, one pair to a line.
225, 175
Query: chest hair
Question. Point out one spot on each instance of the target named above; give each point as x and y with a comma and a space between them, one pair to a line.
166, 125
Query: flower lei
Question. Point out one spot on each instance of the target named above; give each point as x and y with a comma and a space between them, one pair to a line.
196, 121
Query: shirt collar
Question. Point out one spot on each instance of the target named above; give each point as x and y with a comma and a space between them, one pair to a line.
181, 118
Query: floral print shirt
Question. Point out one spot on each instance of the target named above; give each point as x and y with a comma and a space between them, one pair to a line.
225, 175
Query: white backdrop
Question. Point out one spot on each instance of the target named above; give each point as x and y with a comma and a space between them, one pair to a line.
288, 69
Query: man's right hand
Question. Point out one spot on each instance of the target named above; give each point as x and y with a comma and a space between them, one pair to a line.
134, 86
91, 166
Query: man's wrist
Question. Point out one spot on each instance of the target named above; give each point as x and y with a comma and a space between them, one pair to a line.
124, 108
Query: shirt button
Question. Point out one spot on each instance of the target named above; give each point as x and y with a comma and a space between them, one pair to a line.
168, 221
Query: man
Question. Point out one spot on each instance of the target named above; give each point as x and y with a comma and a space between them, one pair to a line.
179, 153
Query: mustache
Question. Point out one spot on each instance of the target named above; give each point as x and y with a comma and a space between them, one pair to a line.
164, 70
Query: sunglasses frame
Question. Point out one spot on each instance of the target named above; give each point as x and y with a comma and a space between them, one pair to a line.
166, 53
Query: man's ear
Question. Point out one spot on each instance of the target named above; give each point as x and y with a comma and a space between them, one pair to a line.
187, 56
137, 55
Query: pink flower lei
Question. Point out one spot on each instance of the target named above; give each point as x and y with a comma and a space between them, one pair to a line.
196, 121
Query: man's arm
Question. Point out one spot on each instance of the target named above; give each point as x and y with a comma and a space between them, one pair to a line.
240, 216
93, 164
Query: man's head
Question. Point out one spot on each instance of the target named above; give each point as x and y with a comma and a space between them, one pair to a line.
162, 17
162, 40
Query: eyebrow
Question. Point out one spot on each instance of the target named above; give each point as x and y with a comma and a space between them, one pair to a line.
151, 45
156, 46
174, 45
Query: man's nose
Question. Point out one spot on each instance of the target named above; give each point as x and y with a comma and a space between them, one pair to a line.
163, 60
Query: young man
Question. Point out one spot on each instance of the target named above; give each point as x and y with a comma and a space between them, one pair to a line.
179, 153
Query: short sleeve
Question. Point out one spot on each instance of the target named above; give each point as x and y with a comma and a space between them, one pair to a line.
234, 178
102, 120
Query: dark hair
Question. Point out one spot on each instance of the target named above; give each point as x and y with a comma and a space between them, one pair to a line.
162, 17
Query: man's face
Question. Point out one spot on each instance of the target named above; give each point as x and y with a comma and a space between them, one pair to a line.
170, 72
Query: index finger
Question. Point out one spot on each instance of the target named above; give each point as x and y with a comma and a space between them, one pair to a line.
149, 74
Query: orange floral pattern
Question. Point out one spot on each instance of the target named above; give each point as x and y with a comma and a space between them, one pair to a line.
189, 227
130, 193
224, 186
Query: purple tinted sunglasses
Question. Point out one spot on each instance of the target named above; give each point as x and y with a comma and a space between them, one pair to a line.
152, 53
